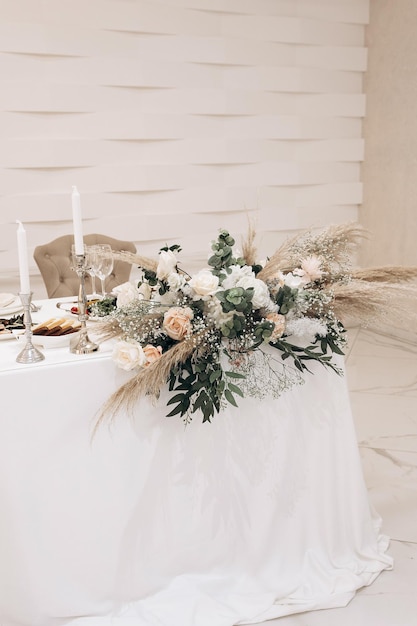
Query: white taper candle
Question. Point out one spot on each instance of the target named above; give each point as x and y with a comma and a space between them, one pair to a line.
22, 251
77, 221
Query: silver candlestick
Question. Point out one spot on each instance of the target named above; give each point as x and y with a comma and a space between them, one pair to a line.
81, 343
29, 354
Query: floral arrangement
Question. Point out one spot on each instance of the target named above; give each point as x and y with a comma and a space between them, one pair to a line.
242, 327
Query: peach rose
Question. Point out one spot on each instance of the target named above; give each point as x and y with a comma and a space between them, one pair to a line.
177, 322
152, 353
279, 325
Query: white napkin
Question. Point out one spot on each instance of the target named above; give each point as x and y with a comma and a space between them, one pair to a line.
6, 299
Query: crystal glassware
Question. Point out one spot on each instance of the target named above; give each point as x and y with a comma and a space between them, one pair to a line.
105, 265
93, 266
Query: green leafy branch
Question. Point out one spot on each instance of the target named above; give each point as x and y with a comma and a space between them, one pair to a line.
310, 353
222, 257
202, 385
286, 299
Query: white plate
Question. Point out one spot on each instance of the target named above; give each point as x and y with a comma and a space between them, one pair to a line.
14, 307
6, 299
6, 336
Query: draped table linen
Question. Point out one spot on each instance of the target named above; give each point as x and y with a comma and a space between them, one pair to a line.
260, 514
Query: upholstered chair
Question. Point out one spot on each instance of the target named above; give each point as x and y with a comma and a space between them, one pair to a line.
54, 262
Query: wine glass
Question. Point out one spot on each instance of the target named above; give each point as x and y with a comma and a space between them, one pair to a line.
105, 264
93, 267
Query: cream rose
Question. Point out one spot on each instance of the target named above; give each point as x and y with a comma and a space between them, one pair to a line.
177, 322
279, 325
261, 296
126, 294
152, 353
175, 281
235, 273
293, 281
167, 264
127, 355
145, 291
204, 283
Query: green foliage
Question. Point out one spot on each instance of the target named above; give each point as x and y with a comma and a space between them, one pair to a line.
313, 352
104, 307
236, 299
150, 278
174, 248
234, 327
202, 385
286, 299
335, 336
222, 257
263, 331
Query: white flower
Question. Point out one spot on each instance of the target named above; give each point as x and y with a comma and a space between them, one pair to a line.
167, 299
310, 269
306, 327
236, 273
145, 290
204, 283
175, 281
126, 294
216, 313
127, 355
292, 281
166, 265
261, 296
271, 307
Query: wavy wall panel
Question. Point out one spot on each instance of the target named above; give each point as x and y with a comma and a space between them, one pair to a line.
178, 117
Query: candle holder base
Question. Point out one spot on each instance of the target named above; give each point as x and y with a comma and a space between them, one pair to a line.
82, 344
29, 354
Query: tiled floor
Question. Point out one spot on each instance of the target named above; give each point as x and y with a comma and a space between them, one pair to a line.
382, 377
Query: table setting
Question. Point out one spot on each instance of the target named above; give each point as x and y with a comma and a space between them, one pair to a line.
187, 454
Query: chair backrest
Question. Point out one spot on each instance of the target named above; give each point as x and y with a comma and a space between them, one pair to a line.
54, 262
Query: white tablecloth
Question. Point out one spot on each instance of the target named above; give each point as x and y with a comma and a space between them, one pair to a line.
259, 514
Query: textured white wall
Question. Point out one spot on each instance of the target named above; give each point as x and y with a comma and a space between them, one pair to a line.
389, 208
175, 118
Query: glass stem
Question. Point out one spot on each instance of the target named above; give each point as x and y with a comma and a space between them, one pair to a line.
103, 293
93, 284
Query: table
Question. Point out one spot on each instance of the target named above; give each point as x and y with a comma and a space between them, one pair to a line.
262, 513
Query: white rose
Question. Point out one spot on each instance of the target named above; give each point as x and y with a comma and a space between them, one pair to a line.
145, 291
204, 283
127, 355
126, 294
261, 298
216, 313
236, 273
175, 281
293, 281
167, 264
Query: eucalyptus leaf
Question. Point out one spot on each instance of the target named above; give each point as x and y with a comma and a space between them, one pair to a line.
229, 397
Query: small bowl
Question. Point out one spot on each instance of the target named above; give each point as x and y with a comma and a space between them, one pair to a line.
53, 341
